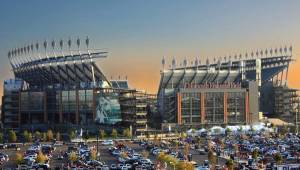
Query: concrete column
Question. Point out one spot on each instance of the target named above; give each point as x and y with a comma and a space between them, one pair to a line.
60, 108
77, 107
247, 108
45, 108
179, 118
202, 109
225, 107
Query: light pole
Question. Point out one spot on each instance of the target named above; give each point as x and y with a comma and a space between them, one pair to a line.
97, 145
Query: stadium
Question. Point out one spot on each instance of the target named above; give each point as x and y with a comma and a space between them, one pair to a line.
228, 91
64, 88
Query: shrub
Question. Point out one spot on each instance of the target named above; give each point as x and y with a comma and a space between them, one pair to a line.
12, 137
114, 133
19, 158
211, 157
49, 135
72, 157
102, 134
38, 135
93, 154
229, 164
40, 158
127, 133
71, 134
1, 137
57, 136
27, 136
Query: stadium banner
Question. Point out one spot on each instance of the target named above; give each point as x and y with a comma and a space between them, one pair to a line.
108, 109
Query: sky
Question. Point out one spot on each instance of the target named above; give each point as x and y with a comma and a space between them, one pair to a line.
138, 33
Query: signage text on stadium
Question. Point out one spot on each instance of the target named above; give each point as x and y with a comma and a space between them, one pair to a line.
212, 85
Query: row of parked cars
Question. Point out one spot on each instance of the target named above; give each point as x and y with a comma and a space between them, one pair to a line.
165, 148
129, 159
31, 154
84, 158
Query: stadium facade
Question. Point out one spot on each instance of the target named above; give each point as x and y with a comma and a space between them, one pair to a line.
65, 88
228, 91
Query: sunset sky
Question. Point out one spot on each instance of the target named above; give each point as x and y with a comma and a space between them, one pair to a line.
137, 33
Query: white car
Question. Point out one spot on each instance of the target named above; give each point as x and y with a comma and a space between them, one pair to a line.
108, 142
122, 160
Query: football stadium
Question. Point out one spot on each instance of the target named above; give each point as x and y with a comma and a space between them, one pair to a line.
232, 90
55, 86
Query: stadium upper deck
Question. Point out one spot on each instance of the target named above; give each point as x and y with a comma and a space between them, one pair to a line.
58, 68
228, 71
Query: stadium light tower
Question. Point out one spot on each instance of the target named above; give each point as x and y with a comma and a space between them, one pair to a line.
196, 63
173, 63
45, 47
184, 63
280, 50
291, 49
163, 62
78, 45
53, 48
70, 45
61, 45
87, 43
271, 52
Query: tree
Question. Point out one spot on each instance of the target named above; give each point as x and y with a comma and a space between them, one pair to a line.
1, 137
184, 166
71, 134
114, 133
126, 133
240, 130
57, 136
186, 150
211, 157
254, 154
102, 134
30, 137
85, 136
44, 136
12, 137
27, 136
277, 158
229, 164
19, 158
38, 135
40, 158
227, 131
183, 135
145, 154
49, 135
72, 157
93, 154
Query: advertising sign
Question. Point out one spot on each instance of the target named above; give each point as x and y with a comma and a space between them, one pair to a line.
108, 109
